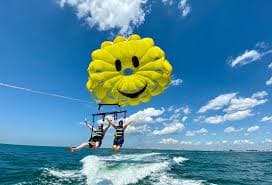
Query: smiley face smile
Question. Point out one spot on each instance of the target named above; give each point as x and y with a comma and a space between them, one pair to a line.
133, 95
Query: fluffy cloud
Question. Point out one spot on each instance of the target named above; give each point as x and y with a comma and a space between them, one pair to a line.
232, 129
186, 143
137, 129
267, 118
234, 108
270, 66
246, 58
176, 82
184, 118
237, 104
269, 81
217, 103
259, 94
242, 142
167, 2
194, 132
169, 141
170, 129
146, 116
184, 7
253, 128
267, 140
239, 115
109, 14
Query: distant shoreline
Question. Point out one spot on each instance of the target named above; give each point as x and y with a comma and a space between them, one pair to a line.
156, 149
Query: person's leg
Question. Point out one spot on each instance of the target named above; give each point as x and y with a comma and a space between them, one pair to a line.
75, 149
116, 148
95, 145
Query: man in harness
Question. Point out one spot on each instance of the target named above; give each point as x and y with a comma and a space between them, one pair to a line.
119, 134
96, 139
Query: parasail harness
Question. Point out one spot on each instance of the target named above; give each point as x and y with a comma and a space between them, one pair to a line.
103, 114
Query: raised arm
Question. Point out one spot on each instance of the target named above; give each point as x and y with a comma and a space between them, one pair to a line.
89, 125
110, 123
129, 123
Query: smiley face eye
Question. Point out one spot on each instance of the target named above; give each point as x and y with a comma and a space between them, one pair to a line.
135, 61
118, 65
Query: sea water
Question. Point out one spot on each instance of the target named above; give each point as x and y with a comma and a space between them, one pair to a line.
54, 165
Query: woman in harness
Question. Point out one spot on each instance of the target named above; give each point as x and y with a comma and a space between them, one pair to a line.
119, 134
96, 139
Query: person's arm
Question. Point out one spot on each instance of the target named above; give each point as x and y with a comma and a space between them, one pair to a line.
110, 123
129, 123
89, 125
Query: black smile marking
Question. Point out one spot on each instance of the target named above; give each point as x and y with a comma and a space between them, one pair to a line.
133, 95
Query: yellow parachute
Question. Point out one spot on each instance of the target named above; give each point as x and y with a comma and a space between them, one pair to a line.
128, 71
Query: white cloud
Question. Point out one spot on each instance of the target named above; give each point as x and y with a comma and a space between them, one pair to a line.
137, 129
246, 58
232, 129
242, 142
270, 66
237, 104
167, 2
259, 94
146, 116
123, 15
269, 81
267, 118
170, 129
194, 132
176, 82
184, 7
186, 142
186, 110
160, 119
239, 115
237, 108
267, 140
253, 128
171, 108
209, 143
169, 141
184, 118
224, 141
218, 102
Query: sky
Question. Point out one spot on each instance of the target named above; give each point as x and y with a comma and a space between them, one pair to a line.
219, 97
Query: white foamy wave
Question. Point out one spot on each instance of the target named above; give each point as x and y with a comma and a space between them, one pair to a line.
99, 171
64, 173
165, 179
56, 176
179, 160
130, 157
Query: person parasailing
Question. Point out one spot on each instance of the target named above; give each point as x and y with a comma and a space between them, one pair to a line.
95, 140
119, 134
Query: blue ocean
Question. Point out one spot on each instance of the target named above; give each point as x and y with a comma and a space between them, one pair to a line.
54, 165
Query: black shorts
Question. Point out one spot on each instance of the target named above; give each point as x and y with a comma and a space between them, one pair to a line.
95, 139
119, 141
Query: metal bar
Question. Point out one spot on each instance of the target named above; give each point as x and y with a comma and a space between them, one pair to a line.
107, 113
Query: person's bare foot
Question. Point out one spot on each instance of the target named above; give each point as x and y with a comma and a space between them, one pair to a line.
71, 149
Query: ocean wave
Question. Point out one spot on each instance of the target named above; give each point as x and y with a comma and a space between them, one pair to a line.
98, 171
166, 179
64, 173
179, 160
120, 169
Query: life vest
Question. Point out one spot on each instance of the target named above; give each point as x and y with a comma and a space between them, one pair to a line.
119, 132
98, 133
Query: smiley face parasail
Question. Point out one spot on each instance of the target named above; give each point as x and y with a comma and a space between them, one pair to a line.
128, 71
